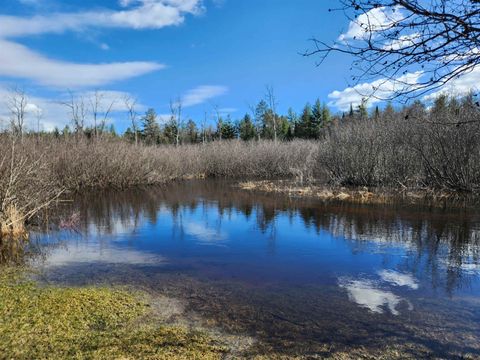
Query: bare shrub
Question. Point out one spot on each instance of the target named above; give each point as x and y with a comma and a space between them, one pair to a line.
438, 149
27, 184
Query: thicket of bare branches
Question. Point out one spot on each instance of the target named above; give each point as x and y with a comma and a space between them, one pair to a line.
390, 39
27, 183
439, 148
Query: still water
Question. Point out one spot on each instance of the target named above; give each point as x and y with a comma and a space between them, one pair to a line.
297, 276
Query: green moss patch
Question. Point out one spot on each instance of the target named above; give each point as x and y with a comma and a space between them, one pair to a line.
88, 323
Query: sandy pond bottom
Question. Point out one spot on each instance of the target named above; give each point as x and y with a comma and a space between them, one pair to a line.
275, 277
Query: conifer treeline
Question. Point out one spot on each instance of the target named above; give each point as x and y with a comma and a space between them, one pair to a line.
261, 124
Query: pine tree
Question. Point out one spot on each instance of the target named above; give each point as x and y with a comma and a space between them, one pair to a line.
192, 132
304, 127
151, 130
326, 116
246, 129
317, 121
362, 111
228, 130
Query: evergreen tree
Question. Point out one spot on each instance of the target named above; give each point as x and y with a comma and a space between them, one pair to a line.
317, 120
151, 130
191, 131
170, 132
228, 130
388, 112
351, 113
326, 116
129, 135
362, 111
304, 126
261, 111
246, 128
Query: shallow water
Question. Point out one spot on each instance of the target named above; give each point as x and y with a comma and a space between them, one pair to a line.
298, 276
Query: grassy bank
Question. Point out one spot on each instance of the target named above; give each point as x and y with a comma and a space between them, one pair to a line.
83, 323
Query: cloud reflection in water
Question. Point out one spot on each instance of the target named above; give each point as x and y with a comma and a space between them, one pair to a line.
375, 297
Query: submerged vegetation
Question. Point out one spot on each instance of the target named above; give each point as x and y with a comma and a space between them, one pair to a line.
83, 323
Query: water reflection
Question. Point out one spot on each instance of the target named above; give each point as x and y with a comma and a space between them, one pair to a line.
295, 273
85, 253
399, 279
437, 244
370, 295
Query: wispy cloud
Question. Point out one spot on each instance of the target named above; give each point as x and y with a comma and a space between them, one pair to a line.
202, 94
135, 14
18, 61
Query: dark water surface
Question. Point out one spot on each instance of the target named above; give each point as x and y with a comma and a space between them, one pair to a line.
298, 276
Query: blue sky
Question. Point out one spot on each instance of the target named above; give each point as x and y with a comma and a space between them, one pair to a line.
207, 52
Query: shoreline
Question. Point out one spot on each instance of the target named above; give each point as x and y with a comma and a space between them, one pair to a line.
361, 195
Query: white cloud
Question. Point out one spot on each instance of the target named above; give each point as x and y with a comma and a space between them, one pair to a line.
403, 42
17, 61
203, 93
20, 62
375, 91
460, 86
375, 20
146, 14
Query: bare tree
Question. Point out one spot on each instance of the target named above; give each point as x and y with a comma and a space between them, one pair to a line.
204, 129
414, 45
176, 117
272, 104
17, 105
78, 111
258, 122
100, 111
131, 104
218, 119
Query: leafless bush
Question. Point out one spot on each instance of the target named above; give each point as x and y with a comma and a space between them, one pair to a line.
27, 184
414, 147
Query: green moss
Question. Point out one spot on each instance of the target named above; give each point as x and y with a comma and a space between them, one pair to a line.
87, 323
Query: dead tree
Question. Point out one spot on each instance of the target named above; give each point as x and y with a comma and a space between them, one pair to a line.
100, 111
218, 119
78, 112
176, 117
415, 46
17, 103
130, 105
272, 104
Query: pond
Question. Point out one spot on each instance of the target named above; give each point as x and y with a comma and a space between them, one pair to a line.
296, 276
